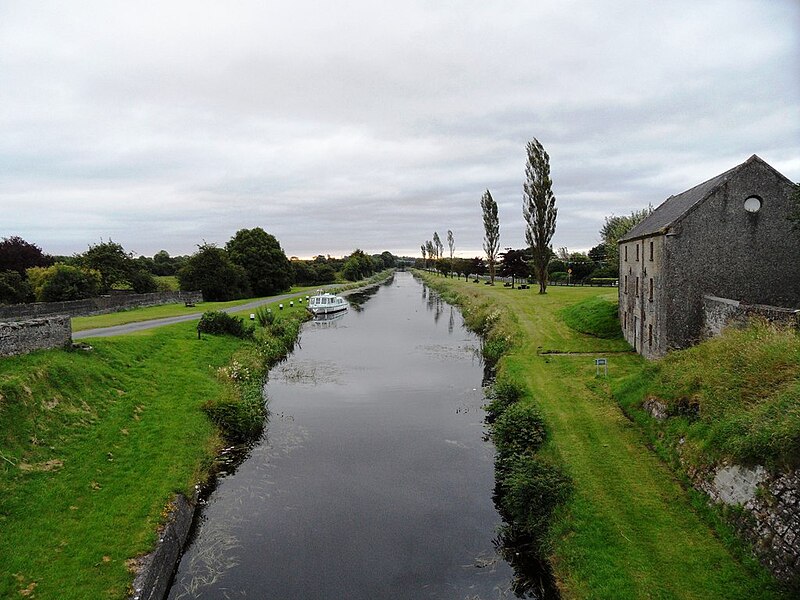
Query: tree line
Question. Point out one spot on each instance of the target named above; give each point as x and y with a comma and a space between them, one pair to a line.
251, 263
538, 261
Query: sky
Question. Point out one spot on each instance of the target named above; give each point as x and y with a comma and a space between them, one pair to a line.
371, 124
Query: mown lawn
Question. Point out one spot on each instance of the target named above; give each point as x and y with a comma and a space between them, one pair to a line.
630, 530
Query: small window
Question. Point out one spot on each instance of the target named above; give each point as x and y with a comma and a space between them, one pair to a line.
625, 288
625, 320
626, 252
752, 204
637, 286
649, 335
651, 250
651, 289
637, 252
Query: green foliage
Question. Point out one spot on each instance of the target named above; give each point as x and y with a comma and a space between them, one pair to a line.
211, 271
615, 227
503, 393
529, 494
264, 316
221, 323
539, 209
597, 316
262, 258
62, 282
491, 231
559, 276
142, 282
240, 416
358, 266
14, 288
520, 429
111, 261
735, 397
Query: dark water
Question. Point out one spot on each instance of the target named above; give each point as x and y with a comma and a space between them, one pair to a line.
373, 479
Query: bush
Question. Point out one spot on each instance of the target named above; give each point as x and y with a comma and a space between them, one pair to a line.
221, 323
520, 429
503, 394
558, 276
240, 417
64, 282
14, 289
264, 316
531, 491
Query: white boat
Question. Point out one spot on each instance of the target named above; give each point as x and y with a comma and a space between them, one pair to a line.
324, 304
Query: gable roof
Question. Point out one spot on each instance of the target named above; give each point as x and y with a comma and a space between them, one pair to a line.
675, 207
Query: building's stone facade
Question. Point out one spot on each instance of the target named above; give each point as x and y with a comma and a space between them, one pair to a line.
21, 337
95, 306
704, 241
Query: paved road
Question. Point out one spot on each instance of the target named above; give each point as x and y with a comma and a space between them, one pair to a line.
142, 325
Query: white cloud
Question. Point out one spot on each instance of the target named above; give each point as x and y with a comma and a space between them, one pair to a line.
161, 125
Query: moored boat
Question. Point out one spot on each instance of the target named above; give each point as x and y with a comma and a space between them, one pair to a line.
324, 304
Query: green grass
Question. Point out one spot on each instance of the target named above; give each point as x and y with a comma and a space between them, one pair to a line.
94, 444
170, 282
596, 316
629, 530
735, 397
137, 315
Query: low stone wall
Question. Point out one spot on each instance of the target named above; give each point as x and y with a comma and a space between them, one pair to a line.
95, 306
21, 337
771, 513
719, 313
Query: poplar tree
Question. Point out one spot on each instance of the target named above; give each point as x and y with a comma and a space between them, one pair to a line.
491, 228
539, 209
451, 243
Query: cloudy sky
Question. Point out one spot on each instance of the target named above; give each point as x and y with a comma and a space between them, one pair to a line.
371, 124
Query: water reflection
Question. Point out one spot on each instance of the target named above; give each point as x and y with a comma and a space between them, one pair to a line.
373, 479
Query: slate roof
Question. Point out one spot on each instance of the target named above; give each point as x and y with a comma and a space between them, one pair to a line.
675, 207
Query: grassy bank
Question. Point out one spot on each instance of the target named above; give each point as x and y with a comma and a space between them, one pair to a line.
629, 529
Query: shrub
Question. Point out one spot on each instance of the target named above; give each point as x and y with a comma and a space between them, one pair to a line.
14, 289
221, 323
264, 317
240, 416
520, 429
531, 491
503, 394
558, 276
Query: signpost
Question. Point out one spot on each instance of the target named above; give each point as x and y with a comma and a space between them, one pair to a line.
601, 362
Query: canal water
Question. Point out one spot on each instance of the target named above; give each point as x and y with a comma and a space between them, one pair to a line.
373, 478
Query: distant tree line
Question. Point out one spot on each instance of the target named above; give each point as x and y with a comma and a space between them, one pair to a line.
252, 263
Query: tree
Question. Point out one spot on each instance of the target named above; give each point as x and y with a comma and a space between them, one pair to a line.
438, 247
14, 288
211, 270
615, 227
451, 243
477, 266
491, 228
358, 266
424, 249
513, 265
111, 260
539, 209
18, 255
62, 282
261, 256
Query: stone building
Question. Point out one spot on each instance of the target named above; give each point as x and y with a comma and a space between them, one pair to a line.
727, 237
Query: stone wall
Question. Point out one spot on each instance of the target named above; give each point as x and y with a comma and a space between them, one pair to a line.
21, 337
719, 313
95, 306
771, 513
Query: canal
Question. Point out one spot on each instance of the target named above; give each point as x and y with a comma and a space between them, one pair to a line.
373, 478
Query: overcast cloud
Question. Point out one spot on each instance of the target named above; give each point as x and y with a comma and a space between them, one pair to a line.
373, 124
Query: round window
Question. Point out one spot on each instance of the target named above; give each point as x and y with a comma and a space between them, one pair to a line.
752, 204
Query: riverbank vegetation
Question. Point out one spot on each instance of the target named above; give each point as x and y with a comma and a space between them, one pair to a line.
95, 442
628, 529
